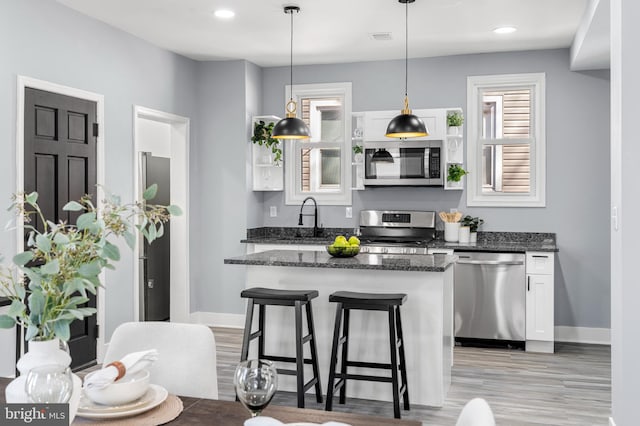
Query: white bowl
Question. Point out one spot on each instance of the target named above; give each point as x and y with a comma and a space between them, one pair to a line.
127, 389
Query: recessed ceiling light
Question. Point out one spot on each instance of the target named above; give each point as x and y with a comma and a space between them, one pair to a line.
224, 13
505, 30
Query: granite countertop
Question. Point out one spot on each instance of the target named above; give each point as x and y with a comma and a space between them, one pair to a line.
488, 241
318, 259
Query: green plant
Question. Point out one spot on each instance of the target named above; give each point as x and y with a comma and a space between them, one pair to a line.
357, 149
455, 119
455, 173
472, 222
48, 282
262, 136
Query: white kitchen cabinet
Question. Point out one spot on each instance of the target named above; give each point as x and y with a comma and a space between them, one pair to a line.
540, 302
266, 175
376, 122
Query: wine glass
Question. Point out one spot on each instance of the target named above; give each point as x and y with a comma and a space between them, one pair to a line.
49, 384
256, 381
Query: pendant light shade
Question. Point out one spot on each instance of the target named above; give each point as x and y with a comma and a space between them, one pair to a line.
382, 156
291, 127
406, 125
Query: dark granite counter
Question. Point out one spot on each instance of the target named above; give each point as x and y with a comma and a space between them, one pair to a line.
318, 259
487, 241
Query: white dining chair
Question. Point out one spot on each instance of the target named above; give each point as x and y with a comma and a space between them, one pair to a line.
476, 413
186, 362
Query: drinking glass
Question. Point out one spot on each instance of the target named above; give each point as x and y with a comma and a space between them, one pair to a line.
256, 381
49, 384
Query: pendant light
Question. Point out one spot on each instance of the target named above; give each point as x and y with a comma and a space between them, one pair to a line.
382, 156
291, 127
406, 125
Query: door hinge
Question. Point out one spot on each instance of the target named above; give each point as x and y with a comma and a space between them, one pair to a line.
95, 130
96, 330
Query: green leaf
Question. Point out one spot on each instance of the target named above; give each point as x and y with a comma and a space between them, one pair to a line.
87, 311
16, 308
31, 198
89, 270
74, 314
60, 239
31, 241
174, 210
153, 232
23, 258
61, 329
85, 220
6, 321
50, 268
36, 303
150, 192
73, 206
75, 285
160, 230
32, 331
77, 300
43, 243
111, 251
130, 239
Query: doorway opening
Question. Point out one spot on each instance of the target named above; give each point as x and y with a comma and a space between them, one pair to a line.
161, 152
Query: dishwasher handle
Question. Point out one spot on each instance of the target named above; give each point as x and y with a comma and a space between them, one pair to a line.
490, 262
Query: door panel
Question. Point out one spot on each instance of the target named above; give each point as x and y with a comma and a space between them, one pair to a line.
60, 164
157, 269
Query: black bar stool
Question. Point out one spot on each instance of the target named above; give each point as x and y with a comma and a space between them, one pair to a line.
297, 298
346, 301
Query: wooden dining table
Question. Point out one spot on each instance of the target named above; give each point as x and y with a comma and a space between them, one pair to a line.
230, 413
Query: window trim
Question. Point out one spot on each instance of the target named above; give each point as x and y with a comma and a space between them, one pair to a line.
292, 163
537, 194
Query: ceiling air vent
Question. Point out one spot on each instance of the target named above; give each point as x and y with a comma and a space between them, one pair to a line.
381, 36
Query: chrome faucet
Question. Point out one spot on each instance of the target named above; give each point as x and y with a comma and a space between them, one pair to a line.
316, 232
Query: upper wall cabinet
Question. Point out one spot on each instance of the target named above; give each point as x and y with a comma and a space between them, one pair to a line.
375, 124
267, 171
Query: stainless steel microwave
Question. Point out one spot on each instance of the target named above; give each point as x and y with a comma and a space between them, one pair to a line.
404, 163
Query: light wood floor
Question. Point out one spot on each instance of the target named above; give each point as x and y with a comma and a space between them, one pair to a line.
569, 387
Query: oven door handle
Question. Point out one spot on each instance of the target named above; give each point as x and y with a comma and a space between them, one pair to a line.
490, 262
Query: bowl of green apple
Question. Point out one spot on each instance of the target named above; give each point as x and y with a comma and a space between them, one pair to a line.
343, 247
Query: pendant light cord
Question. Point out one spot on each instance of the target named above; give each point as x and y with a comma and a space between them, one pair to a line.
406, 49
291, 60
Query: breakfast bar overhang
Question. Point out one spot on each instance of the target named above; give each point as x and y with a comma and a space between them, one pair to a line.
427, 315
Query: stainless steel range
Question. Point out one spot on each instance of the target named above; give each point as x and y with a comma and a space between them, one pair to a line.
396, 231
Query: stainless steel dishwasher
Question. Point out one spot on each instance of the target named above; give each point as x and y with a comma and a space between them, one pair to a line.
489, 296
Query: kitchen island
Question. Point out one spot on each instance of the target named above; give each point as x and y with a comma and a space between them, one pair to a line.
427, 316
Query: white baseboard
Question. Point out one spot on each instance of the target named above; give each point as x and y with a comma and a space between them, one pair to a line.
598, 336
214, 319
611, 422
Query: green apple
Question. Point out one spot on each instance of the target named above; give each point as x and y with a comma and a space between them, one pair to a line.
354, 241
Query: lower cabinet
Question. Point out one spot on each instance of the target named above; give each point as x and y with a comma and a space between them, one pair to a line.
258, 248
540, 321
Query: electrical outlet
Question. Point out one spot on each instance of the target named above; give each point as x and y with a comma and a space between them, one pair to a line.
348, 212
273, 211
453, 210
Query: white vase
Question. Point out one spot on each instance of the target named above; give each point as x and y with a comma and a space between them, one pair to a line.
463, 234
451, 231
453, 130
473, 237
45, 352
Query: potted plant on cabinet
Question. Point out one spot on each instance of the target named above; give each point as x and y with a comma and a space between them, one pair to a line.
49, 282
473, 223
262, 136
454, 121
455, 173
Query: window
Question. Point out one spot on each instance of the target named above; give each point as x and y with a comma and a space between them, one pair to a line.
321, 165
506, 140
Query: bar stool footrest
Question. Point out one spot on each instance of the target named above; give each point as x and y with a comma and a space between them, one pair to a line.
365, 377
285, 359
368, 365
310, 384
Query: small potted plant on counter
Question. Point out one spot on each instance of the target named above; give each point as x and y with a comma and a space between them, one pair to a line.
454, 121
473, 223
455, 173
262, 136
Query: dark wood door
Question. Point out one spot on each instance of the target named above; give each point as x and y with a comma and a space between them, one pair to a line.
60, 164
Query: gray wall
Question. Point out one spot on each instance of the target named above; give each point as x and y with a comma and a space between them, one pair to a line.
44, 40
577, 119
